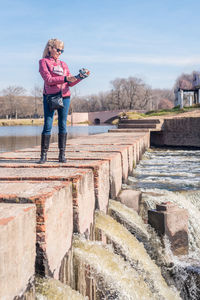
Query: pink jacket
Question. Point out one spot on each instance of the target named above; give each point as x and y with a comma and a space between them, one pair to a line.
54, 72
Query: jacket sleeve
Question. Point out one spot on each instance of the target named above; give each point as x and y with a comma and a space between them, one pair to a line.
46, 75
69, 74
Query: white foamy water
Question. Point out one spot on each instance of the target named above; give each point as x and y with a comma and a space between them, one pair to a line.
121, 281
166, 169
171, 175
135, 253
52, 289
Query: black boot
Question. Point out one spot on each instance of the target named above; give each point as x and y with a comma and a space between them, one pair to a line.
62, 139
45, 140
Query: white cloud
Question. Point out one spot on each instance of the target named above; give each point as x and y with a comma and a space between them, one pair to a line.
140, 59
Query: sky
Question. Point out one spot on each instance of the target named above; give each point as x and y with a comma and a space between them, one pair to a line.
150, 39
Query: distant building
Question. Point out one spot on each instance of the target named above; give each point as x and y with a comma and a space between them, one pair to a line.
188, 96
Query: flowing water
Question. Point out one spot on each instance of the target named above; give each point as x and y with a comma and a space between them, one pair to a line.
130, 219
134, 252
143, 232
52, 289
120, 280
174, 175
171, 170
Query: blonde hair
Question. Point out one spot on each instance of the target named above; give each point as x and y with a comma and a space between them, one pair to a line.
52, 43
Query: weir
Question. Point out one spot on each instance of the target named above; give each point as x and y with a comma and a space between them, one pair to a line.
134, 252
72, 248
117, 279
171, 176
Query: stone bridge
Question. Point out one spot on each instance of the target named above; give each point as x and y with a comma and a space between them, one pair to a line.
98, 117
103, 116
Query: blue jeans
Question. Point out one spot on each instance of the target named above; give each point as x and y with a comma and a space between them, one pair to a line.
62, 117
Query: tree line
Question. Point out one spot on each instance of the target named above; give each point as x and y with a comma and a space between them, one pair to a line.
16, 104
130, 93
125, 94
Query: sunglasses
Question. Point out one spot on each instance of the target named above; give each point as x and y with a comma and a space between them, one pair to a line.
59, 50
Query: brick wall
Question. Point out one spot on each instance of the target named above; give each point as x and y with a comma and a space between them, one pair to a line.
180, 132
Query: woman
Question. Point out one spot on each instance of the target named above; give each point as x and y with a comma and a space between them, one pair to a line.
57, 78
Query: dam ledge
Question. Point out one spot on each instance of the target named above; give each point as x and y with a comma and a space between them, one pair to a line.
43, 206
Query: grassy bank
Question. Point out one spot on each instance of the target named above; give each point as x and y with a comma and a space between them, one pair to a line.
15, 122
21, 122
163, 112
173, 111
27, 122
160, 113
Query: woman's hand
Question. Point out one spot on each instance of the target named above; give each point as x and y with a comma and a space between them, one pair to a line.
71, 78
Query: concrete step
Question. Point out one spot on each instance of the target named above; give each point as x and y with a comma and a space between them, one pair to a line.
140, 121
130, 130
146, 126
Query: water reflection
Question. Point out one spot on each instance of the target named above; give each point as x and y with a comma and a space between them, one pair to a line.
19, 137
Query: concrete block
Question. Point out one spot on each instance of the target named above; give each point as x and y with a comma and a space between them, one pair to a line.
123, 150
131, 199
127, 140
82, 184
17, 249
114, 159
100, 169
172, 221
137, 151
54, 219
115, 167
118, 138
113, 146
97, 149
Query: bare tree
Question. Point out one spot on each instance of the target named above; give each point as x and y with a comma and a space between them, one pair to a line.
161, 95
184, 81
12, 94
132, 87
131, 93
79, 104
117, 94
146, 97
165, 104
37, 93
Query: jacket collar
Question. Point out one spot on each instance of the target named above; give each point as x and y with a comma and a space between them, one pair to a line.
52, 59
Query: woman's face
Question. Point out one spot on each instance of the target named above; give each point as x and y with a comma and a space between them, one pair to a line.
56, 50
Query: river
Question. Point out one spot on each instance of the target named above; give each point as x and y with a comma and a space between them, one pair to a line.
18, 137
172, 170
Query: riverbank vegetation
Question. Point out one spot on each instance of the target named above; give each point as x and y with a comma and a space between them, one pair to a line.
26, 122
160, 113
131, 115
164, 112
15, 122
173, 111
126, 94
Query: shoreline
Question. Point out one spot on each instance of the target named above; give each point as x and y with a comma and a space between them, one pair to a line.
31, 122
21, 122
38, 122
